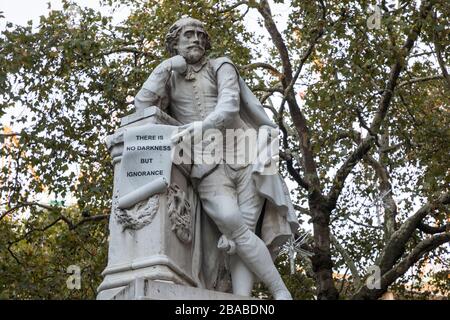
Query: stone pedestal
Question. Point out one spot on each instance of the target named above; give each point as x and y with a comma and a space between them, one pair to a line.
145, 289
152, 252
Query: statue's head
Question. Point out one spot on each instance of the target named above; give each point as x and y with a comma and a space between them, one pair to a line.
187, 37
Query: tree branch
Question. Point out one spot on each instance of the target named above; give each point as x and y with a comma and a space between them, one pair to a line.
233, 6
91, 219
298, 118
440, 59
421, 54
289, 163
348, 261
128, 50
363, 224
383, 107
263, 65
70, 224
433, 229
34, 230
348, 165
385, 187
264, 10
422, 79
12, 134
398, 66
392, 148
73, 226
393, 274
302, 210
26, 204
395, 247
13, 255
303, 60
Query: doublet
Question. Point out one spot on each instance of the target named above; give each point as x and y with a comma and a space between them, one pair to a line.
193, 100
208, 91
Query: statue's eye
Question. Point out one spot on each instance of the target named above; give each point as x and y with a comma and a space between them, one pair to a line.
189, 34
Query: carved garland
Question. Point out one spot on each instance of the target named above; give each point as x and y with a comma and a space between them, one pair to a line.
179, 213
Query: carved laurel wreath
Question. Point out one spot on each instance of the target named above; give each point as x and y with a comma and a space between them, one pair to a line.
140, 215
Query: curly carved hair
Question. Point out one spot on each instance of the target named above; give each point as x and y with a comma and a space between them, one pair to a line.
174, 33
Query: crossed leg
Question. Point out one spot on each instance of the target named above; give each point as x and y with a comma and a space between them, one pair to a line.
242, 277
220, 202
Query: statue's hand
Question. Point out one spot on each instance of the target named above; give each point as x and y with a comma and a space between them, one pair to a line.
187, 130
178, 64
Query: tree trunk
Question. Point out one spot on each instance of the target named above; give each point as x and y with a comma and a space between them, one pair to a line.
321, 261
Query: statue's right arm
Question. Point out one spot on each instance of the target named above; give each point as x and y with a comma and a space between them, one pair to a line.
154, 90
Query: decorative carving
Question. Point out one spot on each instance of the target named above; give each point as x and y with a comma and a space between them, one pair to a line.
138, 216
179, 210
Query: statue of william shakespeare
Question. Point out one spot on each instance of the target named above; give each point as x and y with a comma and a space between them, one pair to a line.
250, 212
197, 197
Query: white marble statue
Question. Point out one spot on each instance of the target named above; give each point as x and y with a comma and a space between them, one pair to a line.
252, 212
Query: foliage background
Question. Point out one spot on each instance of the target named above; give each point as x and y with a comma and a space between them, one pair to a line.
76, 73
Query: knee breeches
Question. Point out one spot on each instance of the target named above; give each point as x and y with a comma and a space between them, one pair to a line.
230, 198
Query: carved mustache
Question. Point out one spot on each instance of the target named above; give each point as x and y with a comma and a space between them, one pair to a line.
196, 47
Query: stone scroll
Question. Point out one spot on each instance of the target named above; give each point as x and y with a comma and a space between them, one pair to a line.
146, 163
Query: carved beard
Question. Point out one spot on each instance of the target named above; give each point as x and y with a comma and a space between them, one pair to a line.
192, 55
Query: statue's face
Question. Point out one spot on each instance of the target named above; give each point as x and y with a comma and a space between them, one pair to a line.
191, 43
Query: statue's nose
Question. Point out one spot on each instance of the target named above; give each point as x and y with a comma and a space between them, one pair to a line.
196, 38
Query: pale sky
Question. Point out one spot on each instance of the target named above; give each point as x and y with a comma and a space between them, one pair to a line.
20, 11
